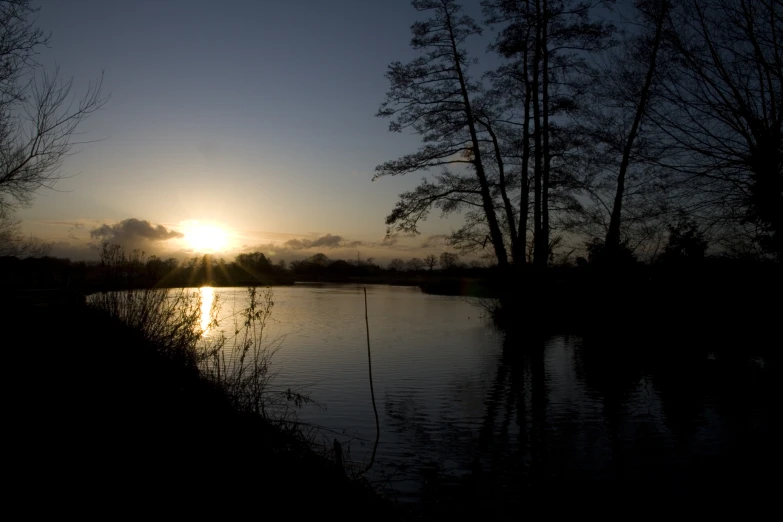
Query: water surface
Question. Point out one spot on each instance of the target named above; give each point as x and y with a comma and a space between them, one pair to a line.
461, 406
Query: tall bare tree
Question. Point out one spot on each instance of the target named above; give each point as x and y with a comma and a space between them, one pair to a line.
14, 243
647, 49
433, 95
38, 113
545, 43
624, 189
724, 112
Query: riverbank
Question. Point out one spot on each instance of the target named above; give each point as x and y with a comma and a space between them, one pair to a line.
98, 418
734, 305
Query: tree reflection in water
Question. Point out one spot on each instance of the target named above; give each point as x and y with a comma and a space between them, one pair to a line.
587, 417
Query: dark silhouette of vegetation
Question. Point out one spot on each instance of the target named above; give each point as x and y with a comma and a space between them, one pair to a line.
396, 265
686, 245
120, 269
414, 264
434, 96
594, 132
141, 393
651, 144
449, 261
39, 118
14, 243
654, 151
614, 123
723, 116
628, 421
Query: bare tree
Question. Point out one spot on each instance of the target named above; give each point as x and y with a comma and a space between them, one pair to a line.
725, 111
397, 264
545, 44
38, 113
14, 243
433, 96
431, 261
624, 189
414, 264
655, 12
449, 260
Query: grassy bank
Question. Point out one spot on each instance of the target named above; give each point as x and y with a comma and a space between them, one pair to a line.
104, 414
734, 306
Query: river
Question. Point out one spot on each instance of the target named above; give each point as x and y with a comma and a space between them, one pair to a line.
461, 406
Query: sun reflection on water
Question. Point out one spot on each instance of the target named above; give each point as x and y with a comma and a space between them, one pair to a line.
207, 294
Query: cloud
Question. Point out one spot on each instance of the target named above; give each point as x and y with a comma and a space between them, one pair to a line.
133, 231
326, 241
62, 223
435, 241
390, 240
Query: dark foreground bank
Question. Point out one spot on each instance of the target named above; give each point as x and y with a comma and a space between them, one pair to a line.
97, 421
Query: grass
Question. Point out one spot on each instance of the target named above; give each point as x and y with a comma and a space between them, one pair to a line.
237, 362
256, 446
232, 354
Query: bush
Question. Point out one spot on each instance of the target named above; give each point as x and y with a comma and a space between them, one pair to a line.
238, 363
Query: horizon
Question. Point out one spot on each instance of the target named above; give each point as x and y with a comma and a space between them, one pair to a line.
267, 135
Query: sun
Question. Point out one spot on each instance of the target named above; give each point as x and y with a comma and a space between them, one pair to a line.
202, 237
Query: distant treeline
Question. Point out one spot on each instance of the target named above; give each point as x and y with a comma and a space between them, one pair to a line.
121, 269
682, 259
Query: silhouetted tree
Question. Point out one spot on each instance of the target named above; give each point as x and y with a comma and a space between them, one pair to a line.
646, 50
414, 264
476, 264
449, 260
545, 43
14, 243
341, 268
433, 96
724, 113
627, 207
397, 264
254, 263
38, 115
619, 256
318, 259
430, 261
687, 244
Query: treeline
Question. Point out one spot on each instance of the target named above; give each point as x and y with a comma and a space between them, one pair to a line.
606, 124
119, 268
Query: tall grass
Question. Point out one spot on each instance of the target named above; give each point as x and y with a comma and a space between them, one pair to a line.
238, 362
169, 321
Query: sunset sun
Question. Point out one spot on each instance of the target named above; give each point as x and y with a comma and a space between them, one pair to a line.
202, 237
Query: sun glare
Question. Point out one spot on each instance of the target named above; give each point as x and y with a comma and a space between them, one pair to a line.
207, 294
205, 238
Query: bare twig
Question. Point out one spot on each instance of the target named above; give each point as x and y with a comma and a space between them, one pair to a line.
372, 388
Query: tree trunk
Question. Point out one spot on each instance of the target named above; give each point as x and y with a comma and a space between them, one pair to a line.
539, 255
612, 242
510, 220
495, 234
544, 243
524, 200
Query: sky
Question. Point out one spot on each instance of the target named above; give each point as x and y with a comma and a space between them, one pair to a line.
256, 118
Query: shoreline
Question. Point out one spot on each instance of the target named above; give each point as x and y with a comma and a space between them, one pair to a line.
122, 412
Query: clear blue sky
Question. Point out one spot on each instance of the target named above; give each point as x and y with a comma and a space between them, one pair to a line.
257, 116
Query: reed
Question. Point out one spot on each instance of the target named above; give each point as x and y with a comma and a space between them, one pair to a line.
237, 362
